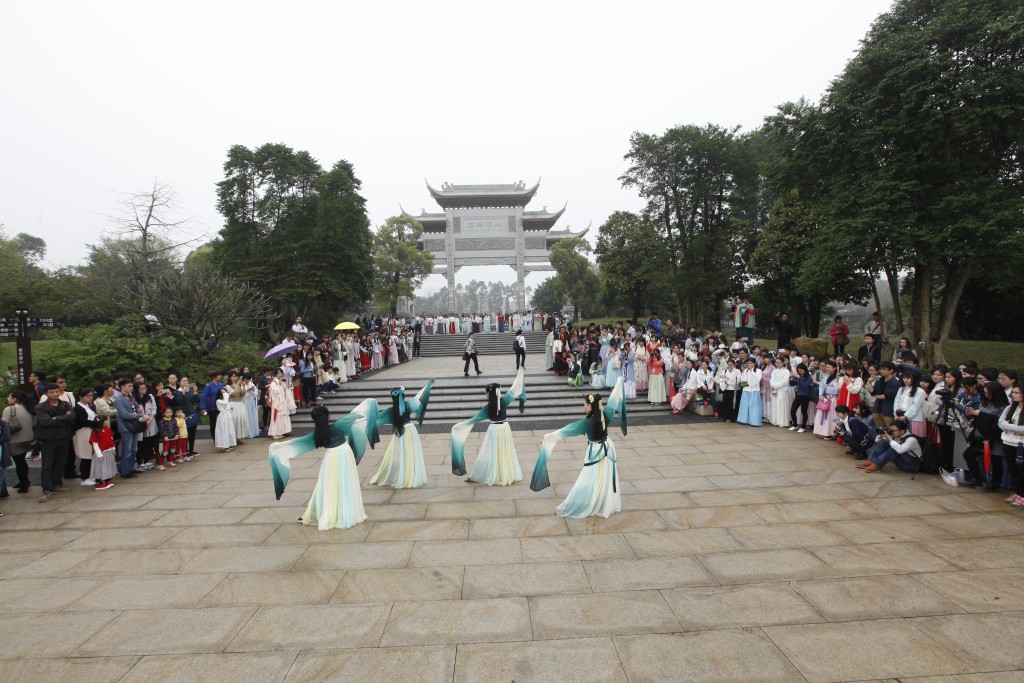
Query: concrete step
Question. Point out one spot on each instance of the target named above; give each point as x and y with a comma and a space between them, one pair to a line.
548, 398
487, 343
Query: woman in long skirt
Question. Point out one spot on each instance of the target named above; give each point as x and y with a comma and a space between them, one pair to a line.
352, 352
782, 396
828, 391
656, 390
496, 463
376, 359
640, 366
766, 389
393, 350
225, 437
549, 352
596, 491
337, 502
251, 394
613, 368
750, 395
402, 466
729, 381
597, 374
282, 402
628, 373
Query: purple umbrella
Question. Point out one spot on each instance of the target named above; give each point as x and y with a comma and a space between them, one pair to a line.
281, 350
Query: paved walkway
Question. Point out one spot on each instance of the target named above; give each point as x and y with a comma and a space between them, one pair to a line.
741, 555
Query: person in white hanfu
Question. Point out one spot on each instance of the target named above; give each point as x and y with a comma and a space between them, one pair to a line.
282, 401
496, 463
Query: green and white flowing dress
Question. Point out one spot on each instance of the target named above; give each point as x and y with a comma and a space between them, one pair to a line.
402, 466
337, 502
496, 463
596, 491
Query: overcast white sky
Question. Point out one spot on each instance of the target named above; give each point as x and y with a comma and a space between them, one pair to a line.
102, 97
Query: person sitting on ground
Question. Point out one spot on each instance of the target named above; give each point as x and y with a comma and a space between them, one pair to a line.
858, 430
896, 445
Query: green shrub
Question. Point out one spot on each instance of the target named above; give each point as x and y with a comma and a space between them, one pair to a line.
86, 355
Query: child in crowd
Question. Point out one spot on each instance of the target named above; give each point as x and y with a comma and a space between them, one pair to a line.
182, 446
169, 437
104, 464
331, 385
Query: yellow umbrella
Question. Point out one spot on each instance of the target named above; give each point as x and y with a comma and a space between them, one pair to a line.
346, 326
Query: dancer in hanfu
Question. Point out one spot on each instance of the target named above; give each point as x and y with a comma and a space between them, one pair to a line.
402, 465
496, 463
337, 502
596, 491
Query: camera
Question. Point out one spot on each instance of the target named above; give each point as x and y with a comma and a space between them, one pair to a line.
944, 393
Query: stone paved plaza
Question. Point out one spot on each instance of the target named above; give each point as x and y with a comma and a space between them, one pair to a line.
741, 555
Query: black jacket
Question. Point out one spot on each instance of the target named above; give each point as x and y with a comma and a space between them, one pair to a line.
54, 423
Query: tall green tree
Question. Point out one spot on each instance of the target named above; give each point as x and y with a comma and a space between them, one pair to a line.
399, 264
632, 258
922, 133
24, 282
545, 298
576, 280
299, 232
700, 184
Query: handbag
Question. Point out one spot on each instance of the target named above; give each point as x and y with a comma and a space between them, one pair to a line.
465, 355
11, 418
193, 419
135, 426
842, 340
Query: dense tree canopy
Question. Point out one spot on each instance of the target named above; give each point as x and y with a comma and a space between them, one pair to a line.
575, 280
399, 265
631, 255
700, 184
300, 232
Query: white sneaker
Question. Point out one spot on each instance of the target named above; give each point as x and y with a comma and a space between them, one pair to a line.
792, 429
88, 482
801, 430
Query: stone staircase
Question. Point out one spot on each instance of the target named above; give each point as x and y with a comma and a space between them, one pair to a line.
549, 399
487, 344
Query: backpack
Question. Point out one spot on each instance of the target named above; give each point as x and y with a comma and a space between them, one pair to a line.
931, 457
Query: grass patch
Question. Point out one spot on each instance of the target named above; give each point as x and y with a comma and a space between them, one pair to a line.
9, 353
988, 354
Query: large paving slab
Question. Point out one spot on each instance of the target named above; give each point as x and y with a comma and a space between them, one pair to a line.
741, 554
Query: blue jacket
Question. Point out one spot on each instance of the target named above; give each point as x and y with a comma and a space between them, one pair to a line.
127, 409
891, 388
803, 385
211, 392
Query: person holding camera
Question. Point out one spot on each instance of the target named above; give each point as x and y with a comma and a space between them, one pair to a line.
896, 445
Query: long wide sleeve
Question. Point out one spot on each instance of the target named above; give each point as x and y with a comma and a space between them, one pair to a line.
540, 480
460, 432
